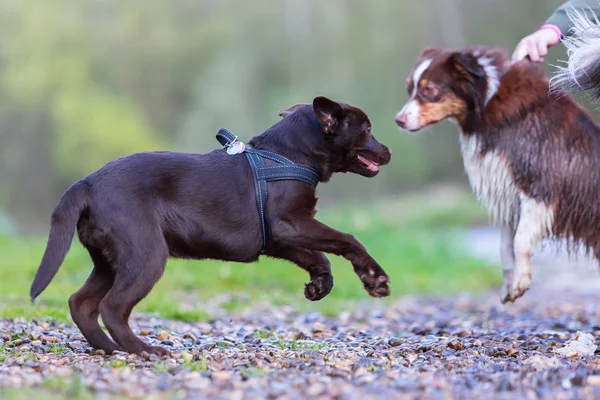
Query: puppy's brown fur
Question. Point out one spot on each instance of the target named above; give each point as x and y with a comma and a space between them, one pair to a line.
137, 211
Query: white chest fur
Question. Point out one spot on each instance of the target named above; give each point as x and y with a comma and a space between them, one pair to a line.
491, 179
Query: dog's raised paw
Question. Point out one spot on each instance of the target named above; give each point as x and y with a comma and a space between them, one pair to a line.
318, 287
376, 286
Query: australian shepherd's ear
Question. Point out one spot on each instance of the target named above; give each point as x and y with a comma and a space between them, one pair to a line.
466, 65
430, 52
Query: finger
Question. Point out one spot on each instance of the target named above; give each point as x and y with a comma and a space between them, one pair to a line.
520, 52
542, 49
533, 52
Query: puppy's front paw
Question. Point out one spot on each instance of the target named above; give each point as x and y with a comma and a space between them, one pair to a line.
318, 287
376, 284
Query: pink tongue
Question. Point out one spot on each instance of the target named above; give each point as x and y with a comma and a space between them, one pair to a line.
371, 166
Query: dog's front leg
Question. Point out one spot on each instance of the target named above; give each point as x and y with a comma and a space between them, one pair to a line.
317, 266
507, 258
535, 222
314, 235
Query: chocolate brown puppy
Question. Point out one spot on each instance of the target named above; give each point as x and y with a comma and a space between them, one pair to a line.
137, 211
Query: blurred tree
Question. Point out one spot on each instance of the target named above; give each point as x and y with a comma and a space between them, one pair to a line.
86, 81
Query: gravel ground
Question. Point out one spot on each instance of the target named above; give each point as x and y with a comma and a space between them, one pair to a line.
457, 347
446, 348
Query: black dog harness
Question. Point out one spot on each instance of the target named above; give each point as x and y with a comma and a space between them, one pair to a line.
284, 170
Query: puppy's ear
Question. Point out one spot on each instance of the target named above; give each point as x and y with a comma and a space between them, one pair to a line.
288, 111
329, 113
467, 65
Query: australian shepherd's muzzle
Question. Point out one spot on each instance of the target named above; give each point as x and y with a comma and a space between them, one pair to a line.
532, 155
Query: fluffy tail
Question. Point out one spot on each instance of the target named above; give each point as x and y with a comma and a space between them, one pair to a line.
62, 229
582, 70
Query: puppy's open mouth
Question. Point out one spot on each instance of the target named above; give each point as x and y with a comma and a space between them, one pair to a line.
371, 165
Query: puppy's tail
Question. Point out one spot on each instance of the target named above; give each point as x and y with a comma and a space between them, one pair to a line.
62, 229
582, 70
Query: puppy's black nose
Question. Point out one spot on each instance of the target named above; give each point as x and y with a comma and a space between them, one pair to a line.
385, 156
401, 120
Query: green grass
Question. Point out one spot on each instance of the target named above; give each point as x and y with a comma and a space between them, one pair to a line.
160, 366
253, 372
52, 388
262, 334
117, 363
414, 241
296, 344
195, 365
57, 348
15, 353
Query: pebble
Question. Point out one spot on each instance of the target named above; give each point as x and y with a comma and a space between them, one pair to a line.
76, 346
414, 347
190, 336
455, 344
593, 380
505, 384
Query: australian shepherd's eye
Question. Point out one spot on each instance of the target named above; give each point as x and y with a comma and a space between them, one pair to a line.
429, 92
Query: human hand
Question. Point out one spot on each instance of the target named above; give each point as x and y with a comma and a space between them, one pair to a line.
537, 44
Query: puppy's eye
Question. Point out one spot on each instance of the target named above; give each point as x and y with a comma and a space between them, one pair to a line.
369, 130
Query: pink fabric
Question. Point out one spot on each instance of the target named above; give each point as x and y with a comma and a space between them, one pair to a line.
555, 28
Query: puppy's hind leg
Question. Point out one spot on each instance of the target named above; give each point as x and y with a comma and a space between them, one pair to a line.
317, 266
84, 304
535, 222
139, 270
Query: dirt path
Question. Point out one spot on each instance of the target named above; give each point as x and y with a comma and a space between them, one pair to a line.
460, 347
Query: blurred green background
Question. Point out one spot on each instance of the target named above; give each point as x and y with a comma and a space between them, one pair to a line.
86, 81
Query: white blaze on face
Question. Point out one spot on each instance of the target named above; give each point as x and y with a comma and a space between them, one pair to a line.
412, 109
417, 76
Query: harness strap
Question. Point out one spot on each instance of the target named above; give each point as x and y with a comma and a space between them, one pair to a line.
260, 189
286, 170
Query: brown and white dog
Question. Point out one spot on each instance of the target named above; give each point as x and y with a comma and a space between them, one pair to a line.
532, 156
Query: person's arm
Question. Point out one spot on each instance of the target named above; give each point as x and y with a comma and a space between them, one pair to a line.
560, 17
536, 45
